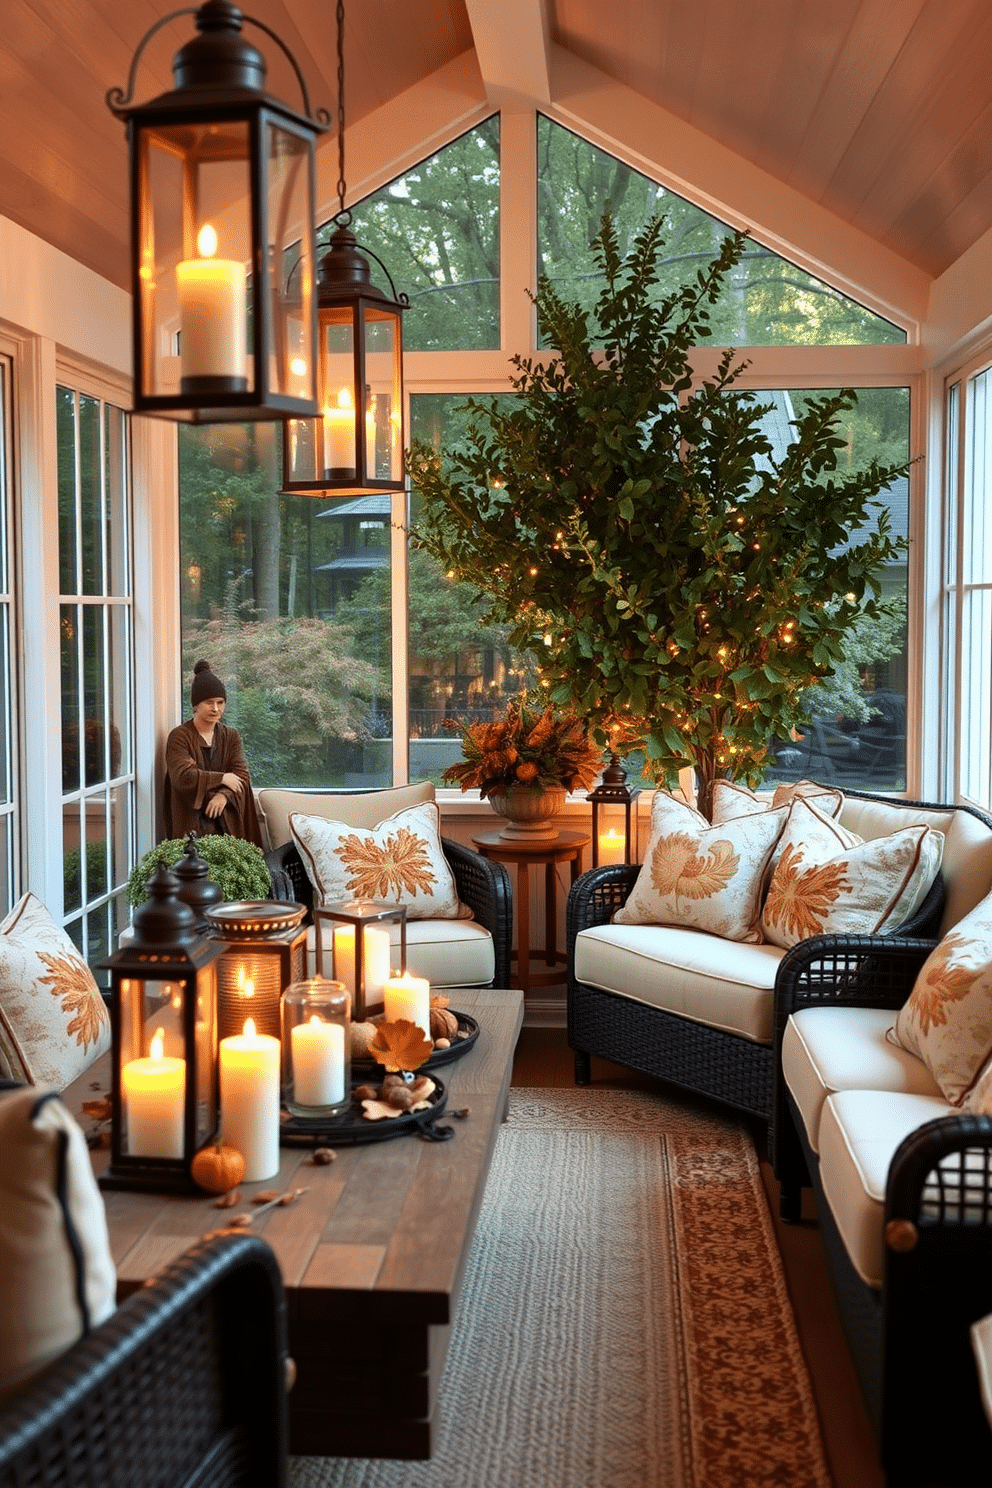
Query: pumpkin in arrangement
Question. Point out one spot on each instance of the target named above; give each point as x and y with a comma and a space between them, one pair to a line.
217, 1168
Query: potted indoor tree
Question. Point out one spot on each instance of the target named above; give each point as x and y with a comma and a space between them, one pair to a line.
681, 585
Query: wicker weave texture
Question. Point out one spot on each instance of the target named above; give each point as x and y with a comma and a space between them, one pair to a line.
184, 1385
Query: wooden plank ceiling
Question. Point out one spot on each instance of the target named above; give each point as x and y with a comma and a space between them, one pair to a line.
879, 110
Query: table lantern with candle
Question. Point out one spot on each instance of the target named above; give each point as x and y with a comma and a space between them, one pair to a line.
316, 1048
164, 1097
367, 940
611, 801
265, 950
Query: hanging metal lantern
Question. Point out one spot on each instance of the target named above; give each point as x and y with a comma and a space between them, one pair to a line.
354, 446
222, 232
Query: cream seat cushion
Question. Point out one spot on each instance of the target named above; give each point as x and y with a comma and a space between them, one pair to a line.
860, 1131
723, 983
826, 1049
449, 953
359, 809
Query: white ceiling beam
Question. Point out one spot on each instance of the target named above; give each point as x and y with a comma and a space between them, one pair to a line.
512, 46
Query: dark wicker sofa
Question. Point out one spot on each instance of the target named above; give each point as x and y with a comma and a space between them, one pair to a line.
184, 1386
737, 1072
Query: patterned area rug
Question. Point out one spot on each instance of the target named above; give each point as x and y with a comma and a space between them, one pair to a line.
624, 1321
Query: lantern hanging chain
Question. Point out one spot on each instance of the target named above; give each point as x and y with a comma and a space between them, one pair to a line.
343, 216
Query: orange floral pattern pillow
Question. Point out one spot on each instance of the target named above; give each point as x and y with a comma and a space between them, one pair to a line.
53, 1020
732, 798
829, 882
707, 877
947, 1019
400, 860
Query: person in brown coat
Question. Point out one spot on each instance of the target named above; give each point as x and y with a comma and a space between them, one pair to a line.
207, 784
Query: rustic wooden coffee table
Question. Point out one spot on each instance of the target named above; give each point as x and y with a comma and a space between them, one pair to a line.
372, 1255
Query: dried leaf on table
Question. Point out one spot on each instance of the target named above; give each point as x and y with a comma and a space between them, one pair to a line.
266, 1196
400, 1045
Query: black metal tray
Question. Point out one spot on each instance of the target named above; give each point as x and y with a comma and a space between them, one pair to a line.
351, 1126
459, 1046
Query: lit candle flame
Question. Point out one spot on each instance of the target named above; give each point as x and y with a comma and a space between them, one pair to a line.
206, 242
249, 1028
157, 1048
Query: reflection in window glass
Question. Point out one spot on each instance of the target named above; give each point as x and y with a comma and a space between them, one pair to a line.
857, 733
460, 670
766, 301
95, 640
288, 598
436, 229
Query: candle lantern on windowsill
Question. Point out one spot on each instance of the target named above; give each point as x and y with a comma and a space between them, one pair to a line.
611, 803
265, 951
362, 949
222, 212
163, 1017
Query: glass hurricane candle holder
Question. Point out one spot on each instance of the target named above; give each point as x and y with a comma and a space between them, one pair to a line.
316, 1048
363, 951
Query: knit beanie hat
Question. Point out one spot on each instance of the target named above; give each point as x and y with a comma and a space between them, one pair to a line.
205, 684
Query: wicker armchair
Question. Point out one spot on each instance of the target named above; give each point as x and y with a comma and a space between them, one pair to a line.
483, 886
185, 1384
738, 1072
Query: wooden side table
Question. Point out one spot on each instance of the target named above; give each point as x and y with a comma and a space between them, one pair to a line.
565, 848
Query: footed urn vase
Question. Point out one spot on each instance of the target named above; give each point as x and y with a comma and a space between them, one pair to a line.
529, 811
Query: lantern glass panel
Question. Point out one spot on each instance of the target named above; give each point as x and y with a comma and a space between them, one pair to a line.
154, 1066
337, 397
195, 245
612, 828
290, 236
383, 393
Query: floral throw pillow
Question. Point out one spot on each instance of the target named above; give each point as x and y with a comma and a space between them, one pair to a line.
704, 876
53, 1021
732, 798
829, 882
400, 860
947, 1018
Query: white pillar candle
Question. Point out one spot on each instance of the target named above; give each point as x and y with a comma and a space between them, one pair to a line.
212, 312
318, 1062
154, 1092
339, 432
375, 959
610, 847
249, 1099
408, 997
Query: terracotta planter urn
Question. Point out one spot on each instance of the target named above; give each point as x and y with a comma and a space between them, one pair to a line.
529, 811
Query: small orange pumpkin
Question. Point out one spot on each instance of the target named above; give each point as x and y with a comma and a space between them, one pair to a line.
217, 1168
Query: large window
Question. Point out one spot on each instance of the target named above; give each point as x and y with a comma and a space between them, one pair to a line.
968, 589
96, 646
345, 656
766, 300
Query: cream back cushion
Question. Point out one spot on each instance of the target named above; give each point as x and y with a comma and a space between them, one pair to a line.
966, 864
360, 809
56, 1271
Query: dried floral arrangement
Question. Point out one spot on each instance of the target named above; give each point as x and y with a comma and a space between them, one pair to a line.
538, 747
